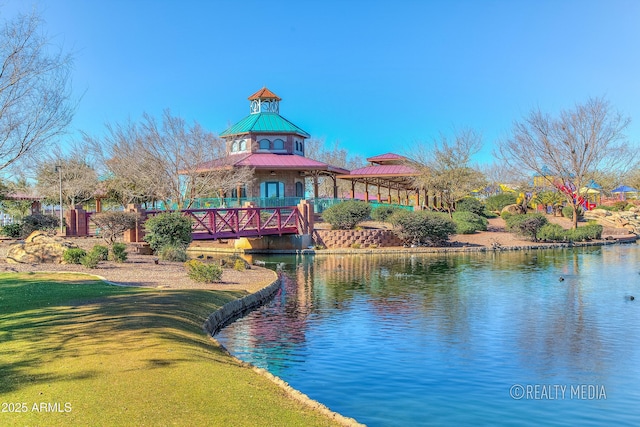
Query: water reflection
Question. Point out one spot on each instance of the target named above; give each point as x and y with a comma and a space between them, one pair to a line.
368, 334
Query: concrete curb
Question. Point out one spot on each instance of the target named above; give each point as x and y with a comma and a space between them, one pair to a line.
237, 308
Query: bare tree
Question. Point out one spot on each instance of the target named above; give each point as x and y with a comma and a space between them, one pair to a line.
131, 174
571, 149
35, 89
166, 160
79, 178
446, 168
334, 155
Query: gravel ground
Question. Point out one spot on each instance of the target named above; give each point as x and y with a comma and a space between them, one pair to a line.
141, 270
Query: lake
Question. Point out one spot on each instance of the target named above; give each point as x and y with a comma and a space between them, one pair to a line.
527, 338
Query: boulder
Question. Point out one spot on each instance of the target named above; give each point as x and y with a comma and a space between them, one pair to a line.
38, 248
512, 209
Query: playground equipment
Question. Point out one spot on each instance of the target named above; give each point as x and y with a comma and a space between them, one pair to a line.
569, 189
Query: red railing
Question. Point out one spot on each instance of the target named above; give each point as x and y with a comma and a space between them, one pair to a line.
233, 223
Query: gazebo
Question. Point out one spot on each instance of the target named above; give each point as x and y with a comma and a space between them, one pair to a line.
387, 171
274, 148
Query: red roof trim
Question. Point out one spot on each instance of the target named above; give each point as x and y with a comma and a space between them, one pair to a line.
386, 156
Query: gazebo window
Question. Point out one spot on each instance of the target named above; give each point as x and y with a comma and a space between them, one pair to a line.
234, 146
271, 189
265, 144
242, 145
243, 193
278, 144
299, 189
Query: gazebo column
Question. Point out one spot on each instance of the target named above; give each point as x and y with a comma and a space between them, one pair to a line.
335, 186
389, 201
239, 193
353, 190
399, 198
98, 204
315, 185
406, 197
366, 191
426, 198
417, 198
379, 198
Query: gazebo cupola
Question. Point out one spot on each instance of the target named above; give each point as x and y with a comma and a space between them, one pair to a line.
264, 101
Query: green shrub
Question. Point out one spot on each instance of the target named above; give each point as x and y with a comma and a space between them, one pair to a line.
551, 233
584, 233
478, 222
382, 213
239, 265
499, 201
31, 223
346, 215
463, 227
92, 259
505, 215
73, 255
204, 273
526, 225
620, 205
567, 212
489, 214
470, 204
12, 230
118, 252
172, 229
172, 253
423, 227
102, 252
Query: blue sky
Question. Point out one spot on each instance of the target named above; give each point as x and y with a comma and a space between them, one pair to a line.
377, 76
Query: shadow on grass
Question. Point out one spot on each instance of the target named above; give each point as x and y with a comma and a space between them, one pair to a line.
44, 320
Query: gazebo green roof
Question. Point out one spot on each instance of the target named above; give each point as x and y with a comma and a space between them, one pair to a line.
264, 123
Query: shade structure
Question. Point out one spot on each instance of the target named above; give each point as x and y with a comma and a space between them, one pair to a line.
624, 189
585, 190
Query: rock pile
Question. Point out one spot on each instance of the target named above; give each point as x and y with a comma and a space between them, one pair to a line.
39, 247
624, 219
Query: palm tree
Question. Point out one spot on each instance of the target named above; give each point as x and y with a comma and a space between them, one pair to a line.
550, 198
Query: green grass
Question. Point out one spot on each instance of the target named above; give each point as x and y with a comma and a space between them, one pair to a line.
125, 356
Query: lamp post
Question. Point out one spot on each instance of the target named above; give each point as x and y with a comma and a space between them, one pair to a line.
59, 170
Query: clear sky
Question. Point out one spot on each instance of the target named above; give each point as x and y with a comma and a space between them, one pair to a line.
376, 76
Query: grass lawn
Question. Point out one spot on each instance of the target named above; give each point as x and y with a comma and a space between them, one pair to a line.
77, 351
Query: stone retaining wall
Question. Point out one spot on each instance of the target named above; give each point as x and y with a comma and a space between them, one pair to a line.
365, 238
238, 308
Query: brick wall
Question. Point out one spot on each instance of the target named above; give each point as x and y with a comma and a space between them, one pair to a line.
365, 238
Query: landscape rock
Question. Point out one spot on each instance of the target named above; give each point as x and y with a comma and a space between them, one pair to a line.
623, 219
38, 248
512, 209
